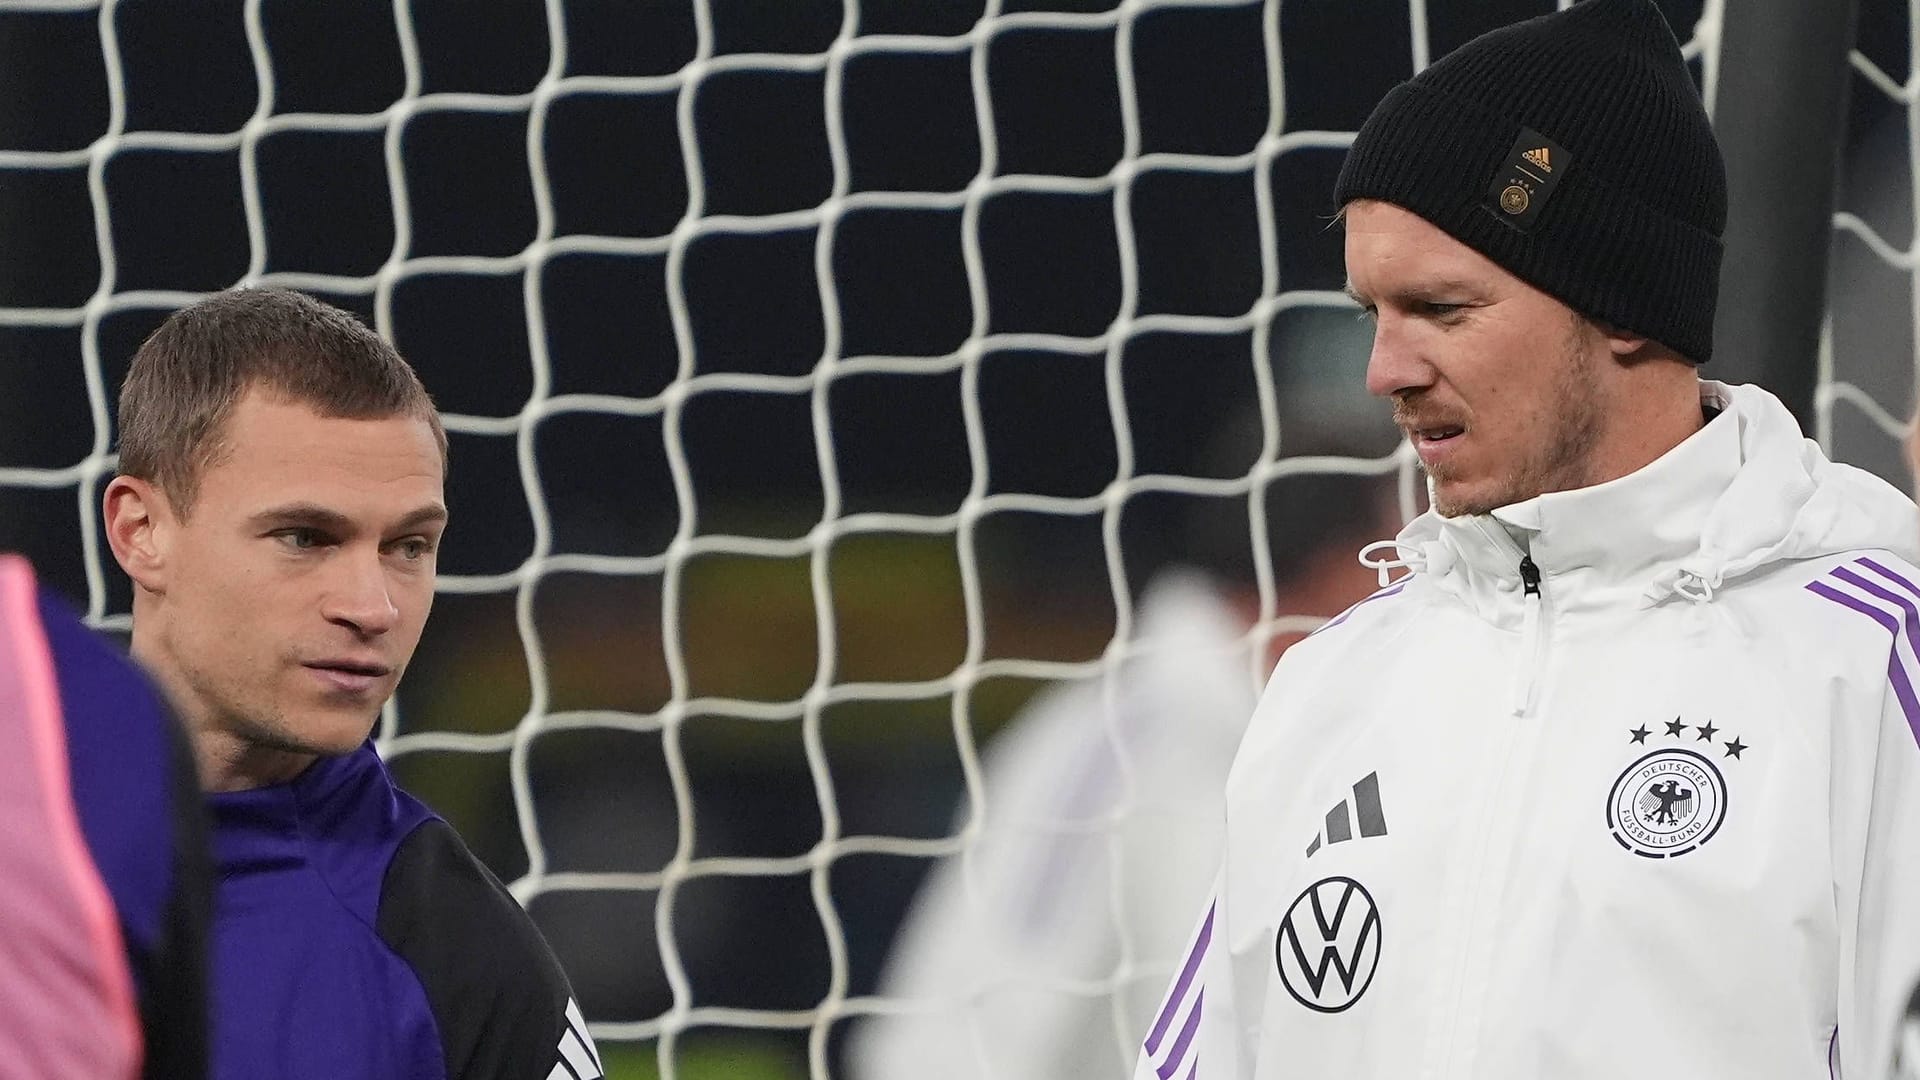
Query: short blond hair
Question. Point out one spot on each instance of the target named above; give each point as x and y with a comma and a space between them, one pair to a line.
186, 379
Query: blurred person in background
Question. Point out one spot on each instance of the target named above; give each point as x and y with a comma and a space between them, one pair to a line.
1004, 963
104, 880
279, 506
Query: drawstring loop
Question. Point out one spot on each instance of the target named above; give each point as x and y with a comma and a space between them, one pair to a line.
1405, 556
1694, 585
1428, 558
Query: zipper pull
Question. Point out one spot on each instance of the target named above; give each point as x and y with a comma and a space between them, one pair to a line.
1532, 638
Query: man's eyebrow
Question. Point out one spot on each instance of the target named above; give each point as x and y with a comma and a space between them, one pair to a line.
312, 515
1428, 292
1444, 287
315, 516
430, 514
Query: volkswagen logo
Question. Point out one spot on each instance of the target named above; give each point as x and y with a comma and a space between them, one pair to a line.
1329, 945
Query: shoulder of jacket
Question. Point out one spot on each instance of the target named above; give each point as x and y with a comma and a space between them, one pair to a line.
437, 890
497, 993
1876, 591
1841, 615
1356, 636
1838, 582
1385, 611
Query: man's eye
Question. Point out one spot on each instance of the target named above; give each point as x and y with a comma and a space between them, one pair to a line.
300, 539
1442, 311
415, 549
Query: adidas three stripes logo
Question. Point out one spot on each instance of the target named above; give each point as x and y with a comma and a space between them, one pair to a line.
579, 1058
1366, 809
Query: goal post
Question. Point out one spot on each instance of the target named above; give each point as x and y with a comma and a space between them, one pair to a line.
1779, 112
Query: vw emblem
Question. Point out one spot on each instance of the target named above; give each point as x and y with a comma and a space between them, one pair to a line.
1329, 945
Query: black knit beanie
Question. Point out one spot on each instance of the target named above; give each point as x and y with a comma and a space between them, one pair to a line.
1573, 150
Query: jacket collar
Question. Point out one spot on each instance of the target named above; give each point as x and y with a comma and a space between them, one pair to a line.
1592, 544
345, 795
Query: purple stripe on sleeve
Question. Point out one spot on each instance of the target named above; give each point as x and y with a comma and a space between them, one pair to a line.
1187, 1031
1905, 604
1889, 575
1896, 672
1393, 590
1179, 990
1193, 1068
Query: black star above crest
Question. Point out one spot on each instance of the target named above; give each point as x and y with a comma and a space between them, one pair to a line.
1640, 733
1706, 732
1676, 727
1734, 748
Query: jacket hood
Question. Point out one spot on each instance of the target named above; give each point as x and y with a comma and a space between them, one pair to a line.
1744, 492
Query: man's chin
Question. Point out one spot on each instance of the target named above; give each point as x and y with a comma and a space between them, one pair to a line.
1455, 498
324, 733
334, 740
1449, 498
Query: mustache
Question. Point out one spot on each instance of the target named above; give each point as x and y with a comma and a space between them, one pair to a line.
1412, 414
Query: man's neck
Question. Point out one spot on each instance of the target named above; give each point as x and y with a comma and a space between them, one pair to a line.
1648, 433
226, 761
231, 763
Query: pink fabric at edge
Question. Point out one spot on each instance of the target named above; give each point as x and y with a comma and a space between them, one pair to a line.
66, 996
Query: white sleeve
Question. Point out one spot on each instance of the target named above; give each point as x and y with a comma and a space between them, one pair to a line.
994, 933
1879, 901
1195, 1032
1035, 954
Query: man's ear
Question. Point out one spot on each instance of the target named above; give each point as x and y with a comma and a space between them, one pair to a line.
1634, 349
1624, 344
139, 523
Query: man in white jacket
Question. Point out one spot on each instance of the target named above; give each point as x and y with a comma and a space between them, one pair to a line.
1621, 779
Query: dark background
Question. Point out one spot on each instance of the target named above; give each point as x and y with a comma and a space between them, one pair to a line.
576, 264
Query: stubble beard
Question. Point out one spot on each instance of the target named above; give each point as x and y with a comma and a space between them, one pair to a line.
262, 724
1573, 418
271, 731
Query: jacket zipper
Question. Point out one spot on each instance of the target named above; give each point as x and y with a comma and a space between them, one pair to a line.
1457, 1046
1532, 639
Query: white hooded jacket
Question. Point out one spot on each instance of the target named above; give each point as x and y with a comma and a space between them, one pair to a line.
1648, 807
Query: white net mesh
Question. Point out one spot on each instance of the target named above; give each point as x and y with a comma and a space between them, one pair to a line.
819, 378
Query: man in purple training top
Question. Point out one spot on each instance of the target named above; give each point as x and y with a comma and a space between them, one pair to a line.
279, 505
103, 875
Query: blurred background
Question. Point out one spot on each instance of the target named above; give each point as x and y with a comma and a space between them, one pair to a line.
825, 380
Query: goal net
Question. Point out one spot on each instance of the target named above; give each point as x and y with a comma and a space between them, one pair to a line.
834, 390
1867, 348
